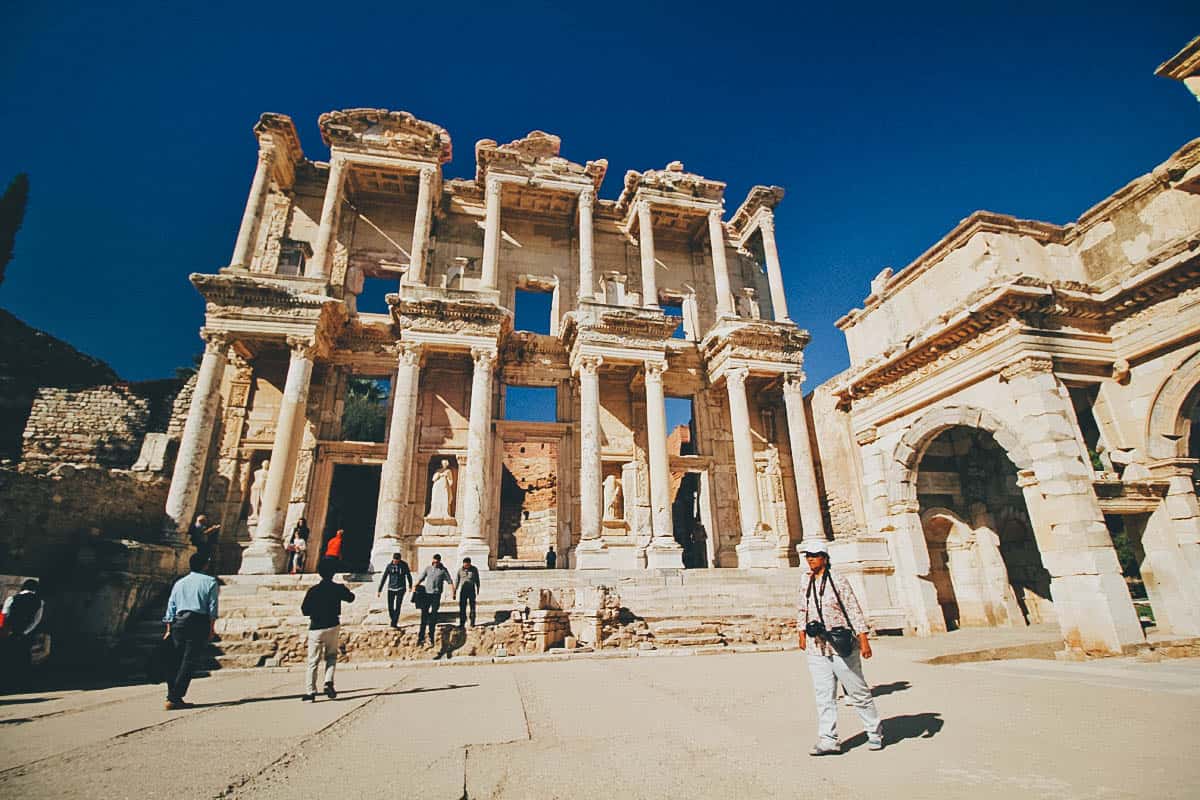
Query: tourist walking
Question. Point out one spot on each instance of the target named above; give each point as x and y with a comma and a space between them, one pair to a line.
22, 615
323, 606
395, 575
468, 590
833, 633
191, 620
432, 579
551, 558
204, 536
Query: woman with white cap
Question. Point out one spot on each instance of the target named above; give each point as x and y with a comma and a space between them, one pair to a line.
833, 632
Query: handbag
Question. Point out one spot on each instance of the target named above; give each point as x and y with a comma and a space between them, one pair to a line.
420, 597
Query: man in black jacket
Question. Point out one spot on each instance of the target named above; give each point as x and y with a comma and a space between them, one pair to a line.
323, 605
394, 575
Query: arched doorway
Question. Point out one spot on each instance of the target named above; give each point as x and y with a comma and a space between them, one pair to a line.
984, 564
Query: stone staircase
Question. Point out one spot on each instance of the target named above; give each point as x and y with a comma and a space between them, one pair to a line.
261, 623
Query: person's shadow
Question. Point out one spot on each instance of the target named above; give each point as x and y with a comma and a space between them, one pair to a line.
888, 688
452, 638
905, 726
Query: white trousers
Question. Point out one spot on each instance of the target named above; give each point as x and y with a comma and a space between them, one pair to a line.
322, 644
826, 672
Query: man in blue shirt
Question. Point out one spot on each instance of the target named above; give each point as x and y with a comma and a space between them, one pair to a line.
191, 621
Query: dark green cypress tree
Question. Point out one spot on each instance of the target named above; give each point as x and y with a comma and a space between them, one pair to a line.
12, 212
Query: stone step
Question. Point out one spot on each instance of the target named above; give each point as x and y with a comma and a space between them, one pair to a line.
684, 640
675, 628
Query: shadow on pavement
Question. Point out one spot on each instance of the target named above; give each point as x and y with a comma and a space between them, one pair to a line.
353, 694
16, 701
905, 726
888, 688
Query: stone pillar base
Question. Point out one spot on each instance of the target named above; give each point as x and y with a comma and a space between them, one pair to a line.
591, 554
1095, 613
759, 553
382, 550
664, 555
428, 546
476, 550
263, 557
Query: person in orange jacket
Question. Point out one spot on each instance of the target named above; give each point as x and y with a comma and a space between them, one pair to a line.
333, 548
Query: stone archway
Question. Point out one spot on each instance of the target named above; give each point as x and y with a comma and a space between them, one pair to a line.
1169, 423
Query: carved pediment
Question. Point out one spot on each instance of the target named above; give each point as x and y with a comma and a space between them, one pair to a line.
535, 155
670, 182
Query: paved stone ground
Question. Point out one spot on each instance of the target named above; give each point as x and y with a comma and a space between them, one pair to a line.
668, 726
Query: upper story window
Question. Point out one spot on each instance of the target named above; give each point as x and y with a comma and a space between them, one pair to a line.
293, 255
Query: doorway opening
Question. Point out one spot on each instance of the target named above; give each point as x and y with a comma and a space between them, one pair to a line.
687, 514
528, 501
353, 497
984, 562
1126, 531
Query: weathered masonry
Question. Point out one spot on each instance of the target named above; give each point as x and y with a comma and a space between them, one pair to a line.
318, 399
1020, 397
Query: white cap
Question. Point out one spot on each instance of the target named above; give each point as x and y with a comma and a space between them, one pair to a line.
813, 546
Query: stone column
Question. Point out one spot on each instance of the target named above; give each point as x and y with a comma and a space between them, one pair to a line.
1090, 596
812, 522
330, 210
265, 555
393, 478
491, 236
646, 246
479, 436
188, 474
766, 226
254, 209
590, 553
587, 278
416, 268
716, 237
664, 552
754, 550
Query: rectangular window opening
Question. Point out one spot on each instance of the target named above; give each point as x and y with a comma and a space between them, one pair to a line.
364, 415
373, 299
681, 427
673, 307
531, 403
532, 311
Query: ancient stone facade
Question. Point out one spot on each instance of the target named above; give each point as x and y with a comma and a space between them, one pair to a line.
362, 344
1020, 397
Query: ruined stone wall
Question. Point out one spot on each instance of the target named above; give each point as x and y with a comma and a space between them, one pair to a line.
839, 472
102, 426
529, 505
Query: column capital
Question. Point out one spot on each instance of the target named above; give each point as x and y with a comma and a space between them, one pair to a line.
493, 187
643, 206
408, 354
1032, 365
715, 215
766, 221
303, 347
425, 176
484, 357
587, 198
655, 370
793, 382
214, 341
590, 364
737, 375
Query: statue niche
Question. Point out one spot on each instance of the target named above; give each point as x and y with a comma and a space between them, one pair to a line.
440, 503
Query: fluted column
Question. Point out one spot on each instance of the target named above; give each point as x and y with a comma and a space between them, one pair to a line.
420, 239
254, 210
664, 552
808, 497
646, 246
393, 478
474, 544
491, 235
766, 226
330, 210
716, 236
743, 451
265, 554
188, 474
587, 276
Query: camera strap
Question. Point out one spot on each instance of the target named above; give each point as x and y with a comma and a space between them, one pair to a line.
841, 605
820, 593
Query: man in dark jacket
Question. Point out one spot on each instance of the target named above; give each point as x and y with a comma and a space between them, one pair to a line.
323, 605
432, 578
394, 575
468, 590
22, 616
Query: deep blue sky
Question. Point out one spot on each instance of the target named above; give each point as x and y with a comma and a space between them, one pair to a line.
886, 125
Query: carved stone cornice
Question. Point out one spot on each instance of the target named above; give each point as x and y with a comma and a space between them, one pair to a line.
243, 291
378, 130
450, 316
623, 326
866, 436
279, 142
1183, 64
776, 346
670, 183
758, 207
535, 157
1032, 365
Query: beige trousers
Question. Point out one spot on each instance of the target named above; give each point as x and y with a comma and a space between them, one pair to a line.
322, 644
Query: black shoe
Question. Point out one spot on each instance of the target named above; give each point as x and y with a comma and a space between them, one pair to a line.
329, 691
311, 698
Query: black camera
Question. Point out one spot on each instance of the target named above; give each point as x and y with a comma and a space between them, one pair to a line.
815, 629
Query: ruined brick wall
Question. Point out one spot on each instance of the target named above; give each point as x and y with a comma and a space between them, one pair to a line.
839, 473
179, 408
102, 426
529, 499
